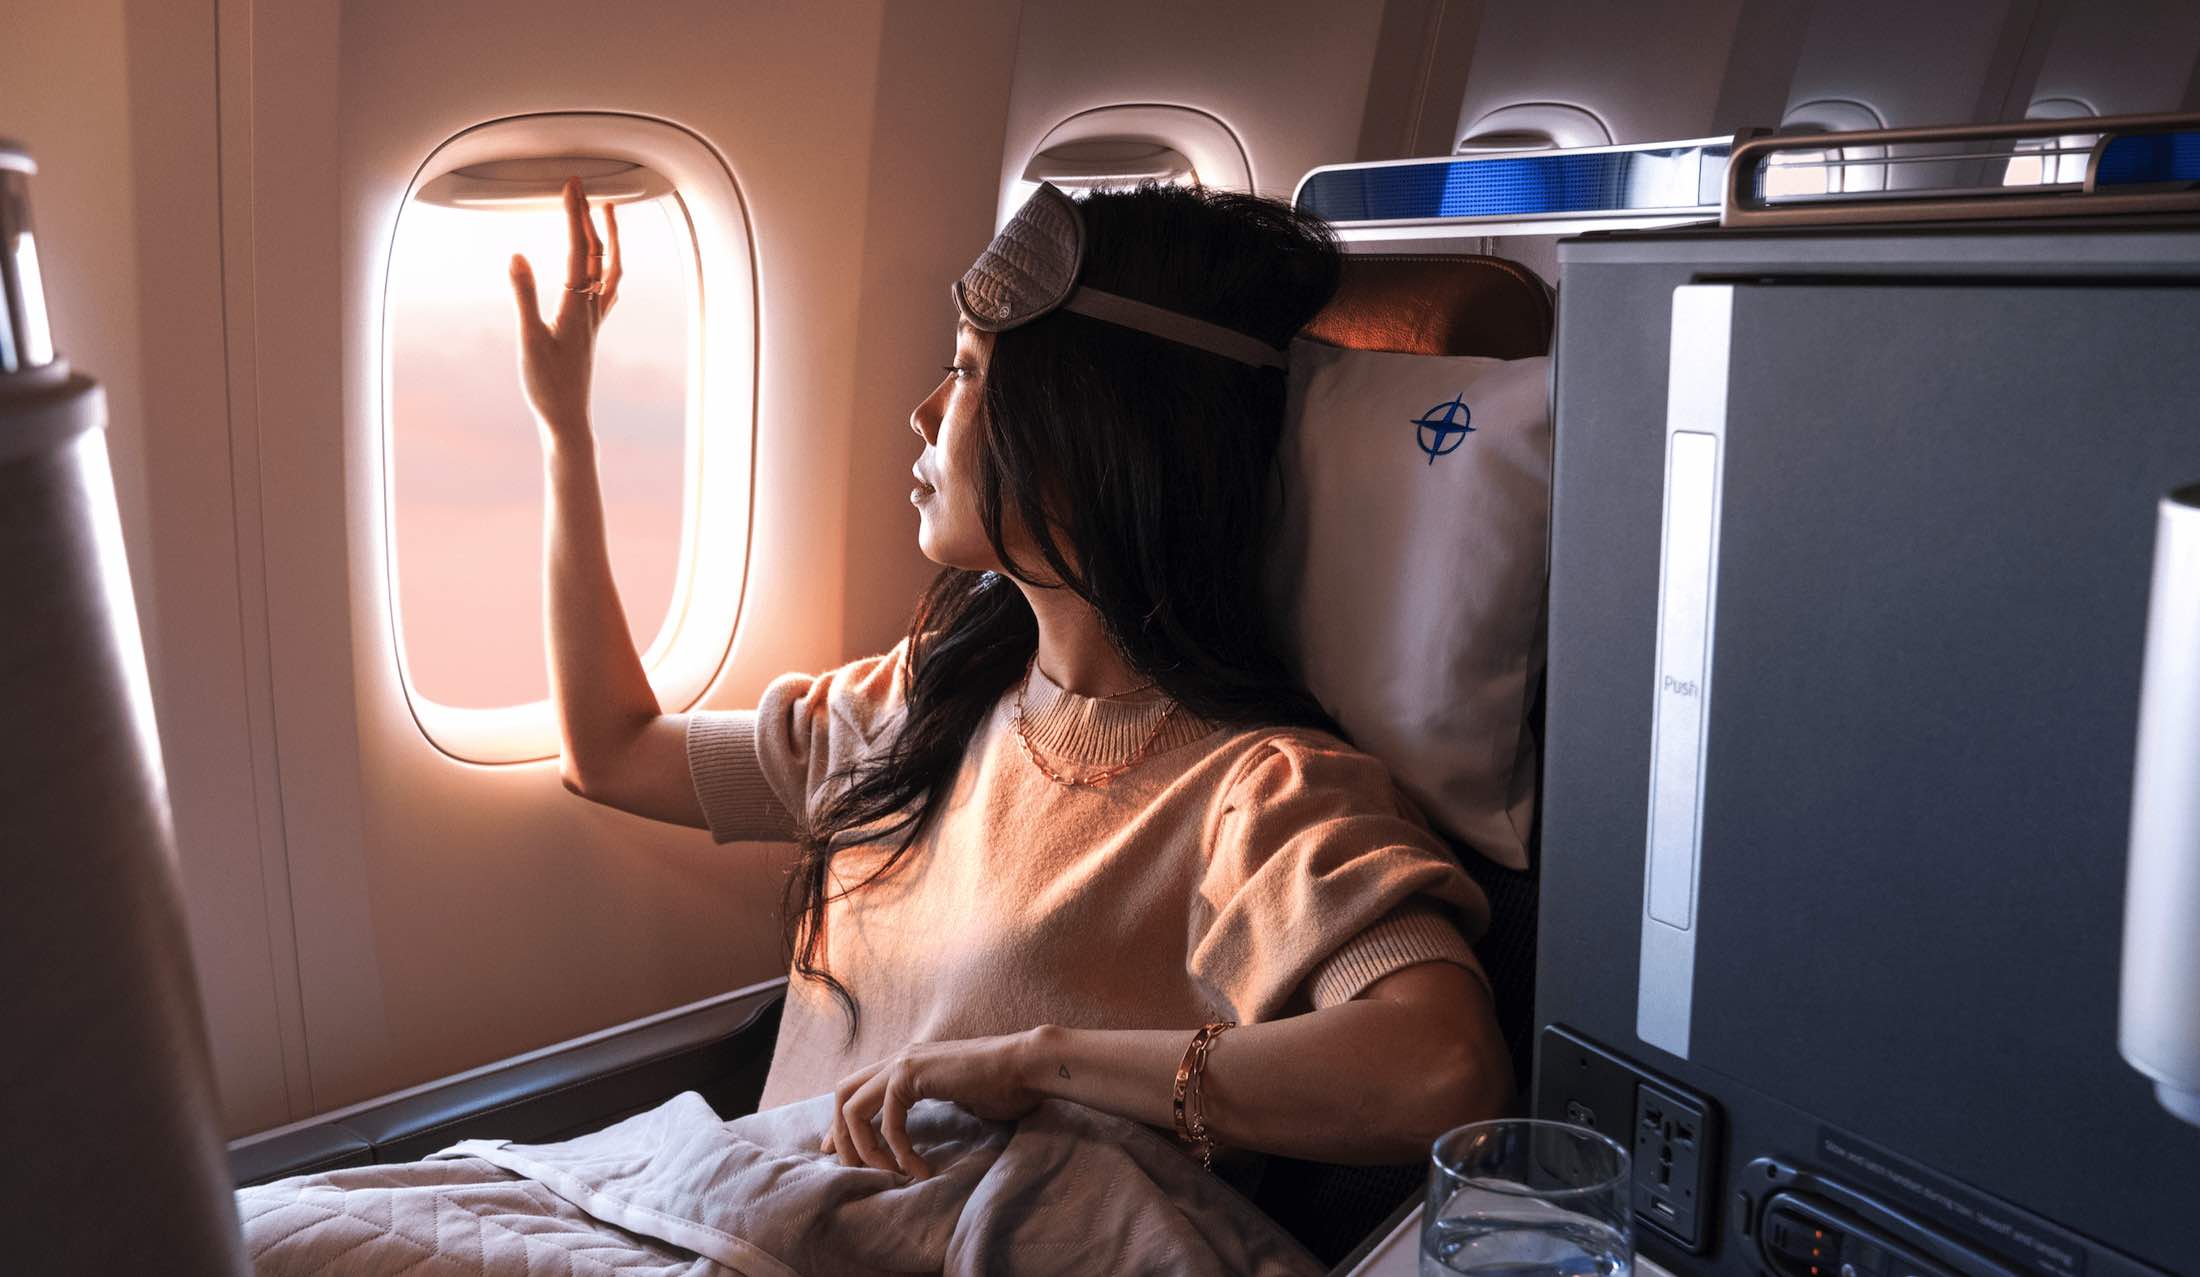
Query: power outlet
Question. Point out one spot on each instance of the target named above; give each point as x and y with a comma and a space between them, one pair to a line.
1672, 1163
1672, 1132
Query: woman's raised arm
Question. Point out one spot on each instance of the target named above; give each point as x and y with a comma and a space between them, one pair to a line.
619, 748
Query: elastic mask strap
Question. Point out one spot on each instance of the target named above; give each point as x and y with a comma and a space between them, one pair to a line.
1172, 326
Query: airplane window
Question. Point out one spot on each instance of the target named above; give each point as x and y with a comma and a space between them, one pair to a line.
2052, 161
1832, 170
1793, 173
464, 464
1129, 143
2049, 161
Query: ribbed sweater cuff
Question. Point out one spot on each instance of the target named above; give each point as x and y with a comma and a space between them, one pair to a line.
737, 801
1411, 933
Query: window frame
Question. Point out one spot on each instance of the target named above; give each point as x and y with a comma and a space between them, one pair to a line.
1217, 157
689, 652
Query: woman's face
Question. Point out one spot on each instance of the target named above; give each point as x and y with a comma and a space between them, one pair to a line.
952, 424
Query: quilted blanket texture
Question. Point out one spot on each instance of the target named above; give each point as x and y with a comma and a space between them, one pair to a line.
676, 1192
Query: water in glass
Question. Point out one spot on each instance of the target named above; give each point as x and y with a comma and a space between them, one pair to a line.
1501, 1234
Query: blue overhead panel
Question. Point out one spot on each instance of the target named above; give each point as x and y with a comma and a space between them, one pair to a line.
2146, 159
1660, 178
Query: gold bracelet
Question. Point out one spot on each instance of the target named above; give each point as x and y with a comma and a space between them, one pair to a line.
1188, 1072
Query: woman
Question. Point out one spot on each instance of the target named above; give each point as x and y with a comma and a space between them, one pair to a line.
1081, 809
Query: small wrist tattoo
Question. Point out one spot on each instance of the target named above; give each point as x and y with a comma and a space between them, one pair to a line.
1062, 1071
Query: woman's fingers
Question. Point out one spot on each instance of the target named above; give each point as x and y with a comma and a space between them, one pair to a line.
576, 302
523, 293
883, 1092
856, 1114
579, 237
893, 1119
613, 272
576, 235
837, 1138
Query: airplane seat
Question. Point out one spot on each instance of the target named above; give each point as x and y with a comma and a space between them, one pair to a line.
109, 1077
1428, 304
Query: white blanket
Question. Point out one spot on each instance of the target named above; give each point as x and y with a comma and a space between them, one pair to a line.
675, 1190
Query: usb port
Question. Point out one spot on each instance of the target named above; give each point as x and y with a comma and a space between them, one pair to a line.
1663, 1207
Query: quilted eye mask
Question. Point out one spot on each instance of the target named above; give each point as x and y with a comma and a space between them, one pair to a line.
1030, 269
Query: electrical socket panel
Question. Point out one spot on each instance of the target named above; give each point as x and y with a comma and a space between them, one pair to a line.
1671, 1163
1671, 1133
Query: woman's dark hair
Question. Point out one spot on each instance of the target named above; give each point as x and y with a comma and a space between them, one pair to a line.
1153, 460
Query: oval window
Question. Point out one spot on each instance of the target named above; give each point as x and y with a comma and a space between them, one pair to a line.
1126, 144
463, 462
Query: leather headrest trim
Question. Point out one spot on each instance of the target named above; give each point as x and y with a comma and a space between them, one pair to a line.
1437, 304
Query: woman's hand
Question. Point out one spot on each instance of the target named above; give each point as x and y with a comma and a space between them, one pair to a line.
985, 1075
555, 358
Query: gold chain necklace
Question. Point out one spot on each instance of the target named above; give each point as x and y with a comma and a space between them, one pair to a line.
1023, 736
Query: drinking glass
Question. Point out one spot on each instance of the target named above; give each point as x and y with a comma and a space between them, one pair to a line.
1525, 1198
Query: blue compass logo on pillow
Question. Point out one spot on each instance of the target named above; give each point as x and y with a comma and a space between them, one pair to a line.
1441, 429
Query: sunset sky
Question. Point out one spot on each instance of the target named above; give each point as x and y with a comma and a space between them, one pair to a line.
466, 467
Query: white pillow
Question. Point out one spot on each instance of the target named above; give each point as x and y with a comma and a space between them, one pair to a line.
1409, 569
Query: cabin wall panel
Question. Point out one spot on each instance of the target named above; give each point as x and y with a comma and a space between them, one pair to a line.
290, 350
1417, 78
1950, 62
935, 149
1651, 70
2122, 57
216, 701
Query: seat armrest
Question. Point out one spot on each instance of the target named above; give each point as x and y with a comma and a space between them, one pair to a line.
720, 1048
307, 1150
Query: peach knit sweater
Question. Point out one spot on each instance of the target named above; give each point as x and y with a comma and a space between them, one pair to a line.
1241, 874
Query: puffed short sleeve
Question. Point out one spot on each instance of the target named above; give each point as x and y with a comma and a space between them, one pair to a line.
759, 773
1318, 882
738, 803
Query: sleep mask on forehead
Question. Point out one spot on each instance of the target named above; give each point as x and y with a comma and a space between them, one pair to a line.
1030, 269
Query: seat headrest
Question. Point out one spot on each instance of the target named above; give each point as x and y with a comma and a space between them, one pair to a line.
1386, 490
1436, 304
